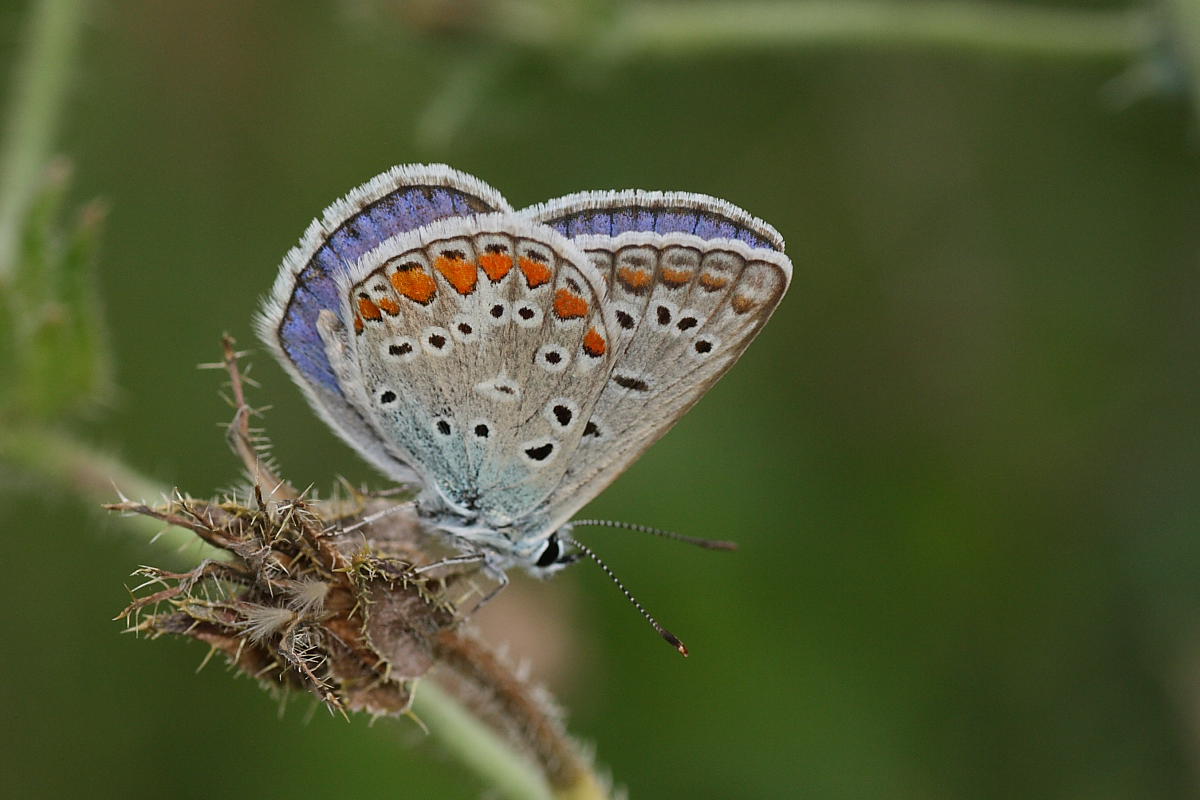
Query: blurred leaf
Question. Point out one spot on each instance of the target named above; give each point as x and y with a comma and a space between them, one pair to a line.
52, 337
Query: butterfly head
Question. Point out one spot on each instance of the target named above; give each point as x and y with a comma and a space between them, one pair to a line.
505, 546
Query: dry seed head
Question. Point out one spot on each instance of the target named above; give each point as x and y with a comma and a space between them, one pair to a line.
307, 595
262, 622
327, 598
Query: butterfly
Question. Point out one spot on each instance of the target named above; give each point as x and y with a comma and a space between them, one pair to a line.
512, 363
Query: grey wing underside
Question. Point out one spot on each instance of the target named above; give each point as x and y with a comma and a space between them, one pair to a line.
685, 311
477, 348
672, 286
691, 281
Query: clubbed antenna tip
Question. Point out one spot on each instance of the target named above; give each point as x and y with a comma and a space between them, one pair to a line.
673, 640
663, 632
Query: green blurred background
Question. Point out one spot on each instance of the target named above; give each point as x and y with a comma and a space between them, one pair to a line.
962, 459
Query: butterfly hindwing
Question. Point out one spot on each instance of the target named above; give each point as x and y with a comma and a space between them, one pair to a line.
685, 309
634, 210
479, 348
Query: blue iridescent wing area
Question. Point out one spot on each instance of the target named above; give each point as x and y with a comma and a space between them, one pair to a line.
400, 200
637, 211
395, 202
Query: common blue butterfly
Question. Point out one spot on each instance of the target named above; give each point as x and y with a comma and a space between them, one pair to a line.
512, 363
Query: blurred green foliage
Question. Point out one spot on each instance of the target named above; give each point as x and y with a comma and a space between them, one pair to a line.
53, 346
962, 459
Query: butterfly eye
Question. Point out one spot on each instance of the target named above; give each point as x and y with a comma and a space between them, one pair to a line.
550, 552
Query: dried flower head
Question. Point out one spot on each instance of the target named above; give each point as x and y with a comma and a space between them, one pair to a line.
350, 599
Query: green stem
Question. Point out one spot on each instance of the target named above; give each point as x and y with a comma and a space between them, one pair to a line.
67, 464
1185, 40
59, 460
683, 29
36, 101
476, 746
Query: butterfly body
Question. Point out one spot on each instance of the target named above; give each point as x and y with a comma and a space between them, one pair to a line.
513, 363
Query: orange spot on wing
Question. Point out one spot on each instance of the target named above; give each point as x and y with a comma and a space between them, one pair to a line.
741, 304
593, 343
676, 277
536, 273
368, 309
358, 325
568, 305
460, 272
635, 279
389, 305
713, 282
496, 265
415, 284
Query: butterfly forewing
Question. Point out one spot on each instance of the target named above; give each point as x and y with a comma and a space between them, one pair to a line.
402, 199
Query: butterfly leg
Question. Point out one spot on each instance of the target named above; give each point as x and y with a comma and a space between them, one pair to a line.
501, 582
497, 575
452, 561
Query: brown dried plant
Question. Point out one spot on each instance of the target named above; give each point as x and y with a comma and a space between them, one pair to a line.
349, 599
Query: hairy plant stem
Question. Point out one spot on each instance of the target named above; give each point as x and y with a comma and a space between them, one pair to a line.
1185, 43
58, 459
35, 104
476, 746
681, 29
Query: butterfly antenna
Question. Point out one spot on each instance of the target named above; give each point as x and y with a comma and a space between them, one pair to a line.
671, 638
707, 544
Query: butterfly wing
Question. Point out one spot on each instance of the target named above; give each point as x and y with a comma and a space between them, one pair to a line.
399, 200
634, 210
478, 348
516, 362
690, 280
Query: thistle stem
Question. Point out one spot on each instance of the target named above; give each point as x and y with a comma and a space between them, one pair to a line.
36, 100
694, 28
59, 459
475, 745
